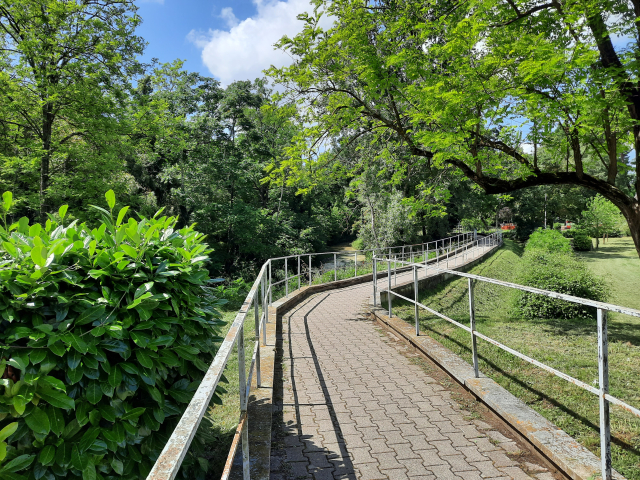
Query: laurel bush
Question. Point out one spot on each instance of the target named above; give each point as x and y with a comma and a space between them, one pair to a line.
106, 333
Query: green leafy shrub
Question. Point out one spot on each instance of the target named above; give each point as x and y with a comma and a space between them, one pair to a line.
582, 242
106, 334
233, 294
358, 244
546, 264
549, 241
509, 234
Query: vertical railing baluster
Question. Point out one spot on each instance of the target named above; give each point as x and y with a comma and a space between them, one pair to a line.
309, 270
286, 278
265, 310
603, 371
242, 381
389, 285
472, 322
375, 281
395, 270
415, 296
335, 268
426, 261
270, 285
256, 315
355, 264
299, 272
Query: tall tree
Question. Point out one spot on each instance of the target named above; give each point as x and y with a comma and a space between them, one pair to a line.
467, 84
65, 68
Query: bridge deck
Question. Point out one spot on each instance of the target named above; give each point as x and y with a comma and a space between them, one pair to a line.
355, 406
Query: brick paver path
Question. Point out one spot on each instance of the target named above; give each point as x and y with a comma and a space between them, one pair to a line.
354, 407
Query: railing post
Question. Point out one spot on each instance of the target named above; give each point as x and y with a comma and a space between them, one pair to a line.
265, 310
242, 380
389, 286
603, 371
415, 291
375, 281
426, 261
335, 268
299, 272
270, 287
472, 321
355, 264
286, 278
309, 270
395, 270
256, 315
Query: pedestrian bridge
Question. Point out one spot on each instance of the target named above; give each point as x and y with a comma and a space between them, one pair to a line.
331, 395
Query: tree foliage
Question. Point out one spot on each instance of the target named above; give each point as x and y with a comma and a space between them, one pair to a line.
467, 85
600, 217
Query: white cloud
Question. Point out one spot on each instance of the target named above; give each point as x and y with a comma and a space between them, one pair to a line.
229, 17
246, 48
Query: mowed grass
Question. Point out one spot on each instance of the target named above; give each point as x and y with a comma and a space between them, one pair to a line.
567, 345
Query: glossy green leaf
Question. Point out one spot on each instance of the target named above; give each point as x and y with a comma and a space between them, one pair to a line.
111, 199
7, 201
57, 399
8, 430
47, 455
18, 463
62, 211
94, 392
38, 421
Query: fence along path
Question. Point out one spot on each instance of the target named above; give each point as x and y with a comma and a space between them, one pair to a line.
354, 407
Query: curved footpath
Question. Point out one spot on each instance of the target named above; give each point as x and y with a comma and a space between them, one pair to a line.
357, 405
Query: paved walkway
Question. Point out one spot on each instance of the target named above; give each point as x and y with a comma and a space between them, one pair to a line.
354, 407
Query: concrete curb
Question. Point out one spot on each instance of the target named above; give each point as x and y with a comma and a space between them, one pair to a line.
555, 444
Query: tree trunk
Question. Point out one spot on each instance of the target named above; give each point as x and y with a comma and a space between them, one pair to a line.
44, 169
632, 216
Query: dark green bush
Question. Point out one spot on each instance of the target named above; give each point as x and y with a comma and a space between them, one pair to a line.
572, 232
548, 241
582, 242
106, 334
558, 271
509, 234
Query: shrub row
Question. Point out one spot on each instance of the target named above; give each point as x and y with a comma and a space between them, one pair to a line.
106, 334
548, 263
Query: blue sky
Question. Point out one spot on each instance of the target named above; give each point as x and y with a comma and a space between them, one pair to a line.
228, 39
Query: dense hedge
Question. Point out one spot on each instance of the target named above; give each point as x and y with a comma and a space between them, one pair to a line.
548, 263
582, 242
106, 333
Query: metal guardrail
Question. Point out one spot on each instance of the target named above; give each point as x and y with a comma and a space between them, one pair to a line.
260, 297
603, 343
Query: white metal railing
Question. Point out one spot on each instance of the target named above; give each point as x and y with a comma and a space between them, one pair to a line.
260, 297
603, 344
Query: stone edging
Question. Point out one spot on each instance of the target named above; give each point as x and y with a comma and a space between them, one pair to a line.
555, 444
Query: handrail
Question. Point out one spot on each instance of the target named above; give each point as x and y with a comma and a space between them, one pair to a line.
261, 294
603, 344
174, 451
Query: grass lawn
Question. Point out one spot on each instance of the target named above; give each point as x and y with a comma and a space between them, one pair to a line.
568, 345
